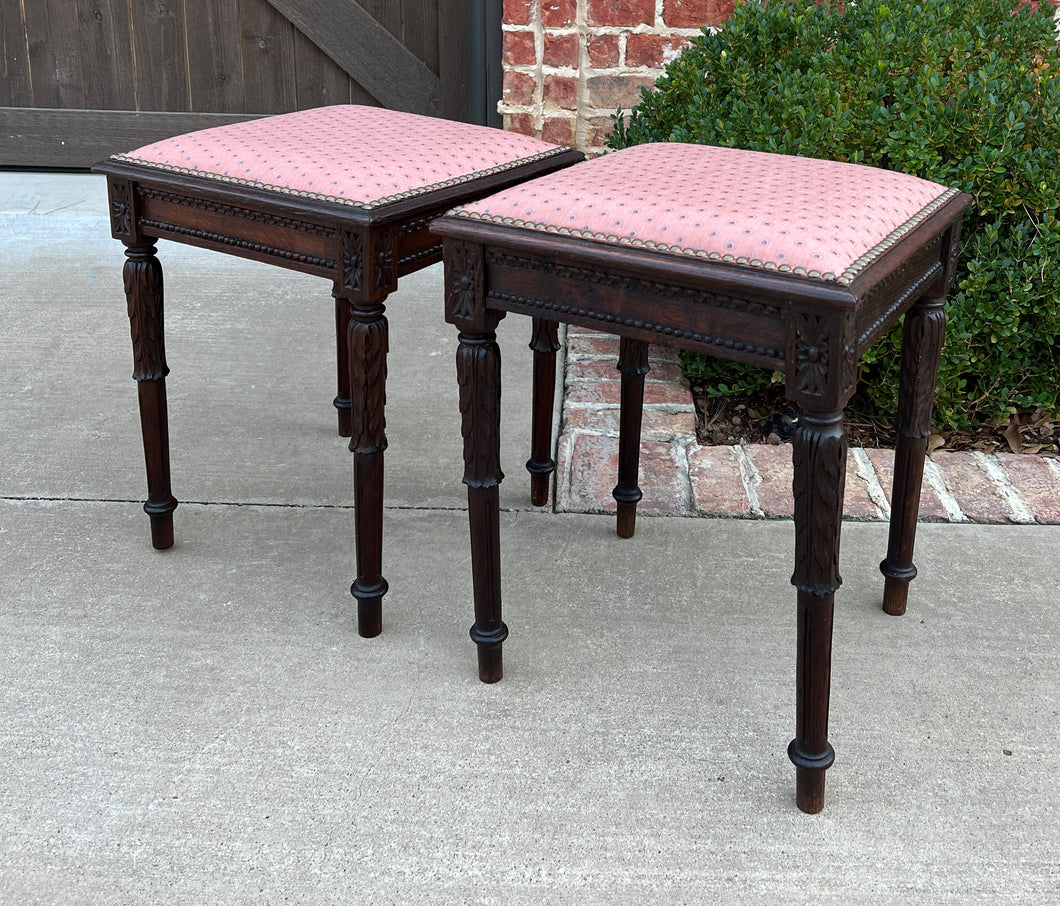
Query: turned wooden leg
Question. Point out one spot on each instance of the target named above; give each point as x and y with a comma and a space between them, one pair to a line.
633, 363
367, 353
819, 452
922, 338
342, 350
143, 291
545, 343
478, 368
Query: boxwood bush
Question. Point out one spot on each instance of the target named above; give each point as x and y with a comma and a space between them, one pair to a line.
962, 92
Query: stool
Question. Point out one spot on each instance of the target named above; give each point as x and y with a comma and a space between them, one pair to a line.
789, 263
347, 193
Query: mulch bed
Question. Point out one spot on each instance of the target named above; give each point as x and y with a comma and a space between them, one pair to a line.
767, 418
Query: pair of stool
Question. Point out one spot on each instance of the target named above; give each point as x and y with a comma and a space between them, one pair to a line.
792, 264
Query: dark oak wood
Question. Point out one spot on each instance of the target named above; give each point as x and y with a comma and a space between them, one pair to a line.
544, 342
361, 251
813, 331
633, 365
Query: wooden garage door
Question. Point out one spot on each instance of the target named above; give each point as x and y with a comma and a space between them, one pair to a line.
81, 79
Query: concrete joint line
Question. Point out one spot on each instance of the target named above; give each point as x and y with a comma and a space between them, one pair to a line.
954, 513
1019, 512
751, 477
867, 474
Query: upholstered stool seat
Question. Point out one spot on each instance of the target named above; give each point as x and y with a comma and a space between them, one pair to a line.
788, 263
346, 193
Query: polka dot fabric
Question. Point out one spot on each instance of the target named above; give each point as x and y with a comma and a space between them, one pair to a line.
362, 156
790, 214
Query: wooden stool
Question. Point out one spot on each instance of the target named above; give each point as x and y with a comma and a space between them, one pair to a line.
793, 264
347, 193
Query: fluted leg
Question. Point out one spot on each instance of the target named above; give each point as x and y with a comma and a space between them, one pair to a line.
143, 291
922, 338
478, 368
633, 364
342, 357
819, 452
367, 351
545, 343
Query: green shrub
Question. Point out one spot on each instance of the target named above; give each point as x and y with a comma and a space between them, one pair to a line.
962, 92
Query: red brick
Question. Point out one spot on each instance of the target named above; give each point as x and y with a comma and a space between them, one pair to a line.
561, 91
696, 13
932, 509
585, 343
599, 128
976, 494
558, 129
519, 89
1037, 484
857, 504
657, 424
558, 13
516, 12
609, 92
522, 123
652, 50
519, 48
717, 483
594, 471
610, 392
561, 50
621, 12
602, 50
607, 370
775, 495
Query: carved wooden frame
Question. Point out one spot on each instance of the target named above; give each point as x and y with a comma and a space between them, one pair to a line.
363, 252
813, 331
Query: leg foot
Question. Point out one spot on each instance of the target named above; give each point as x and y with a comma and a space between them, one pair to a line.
819, 451
478, 367
633, 364
342, 357
143, 290
922, 337
545, 343
367, 355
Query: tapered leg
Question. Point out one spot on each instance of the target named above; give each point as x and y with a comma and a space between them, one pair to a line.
545, 343
478, 368
922, 338
342, 357
819, 453
367, 351
633, 364
143, 291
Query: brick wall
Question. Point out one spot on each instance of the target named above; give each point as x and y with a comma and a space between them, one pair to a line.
569, 64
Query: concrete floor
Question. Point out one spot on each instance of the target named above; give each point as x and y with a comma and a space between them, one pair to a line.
204, 725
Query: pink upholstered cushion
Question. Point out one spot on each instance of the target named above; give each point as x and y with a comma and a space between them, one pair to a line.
792, 214
363, 156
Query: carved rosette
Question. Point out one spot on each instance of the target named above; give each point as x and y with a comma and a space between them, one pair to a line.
811, 354
351, 255
143, 292
819, 455
478, 372
463, 281
121, 208
922, 337
368, 347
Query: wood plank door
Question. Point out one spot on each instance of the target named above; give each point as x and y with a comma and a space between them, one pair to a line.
82, 79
